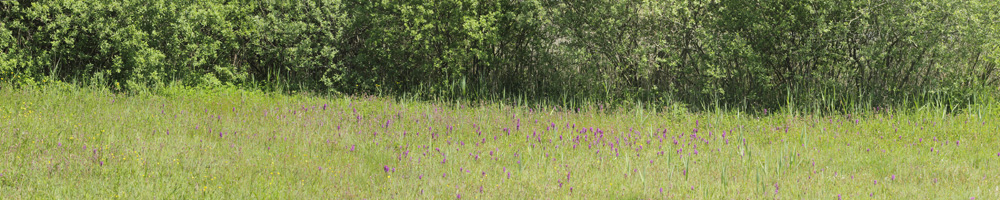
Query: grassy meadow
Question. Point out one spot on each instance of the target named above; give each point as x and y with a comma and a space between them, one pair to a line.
77, 143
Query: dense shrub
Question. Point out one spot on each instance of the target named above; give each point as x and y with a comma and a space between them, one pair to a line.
125, 44
745, 54
444, 48
757, 53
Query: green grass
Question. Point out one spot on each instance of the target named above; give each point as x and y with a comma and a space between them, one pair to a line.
72, 143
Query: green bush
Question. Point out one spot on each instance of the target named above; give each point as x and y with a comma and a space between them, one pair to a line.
752, 55
440, 47
770, 54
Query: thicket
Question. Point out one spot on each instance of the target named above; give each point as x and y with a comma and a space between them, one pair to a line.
730, 53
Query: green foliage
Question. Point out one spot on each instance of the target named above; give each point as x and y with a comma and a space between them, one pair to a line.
752, 55
443, 46
125, 45
770, 54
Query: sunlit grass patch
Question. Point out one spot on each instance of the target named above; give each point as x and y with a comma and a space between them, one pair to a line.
80, 143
